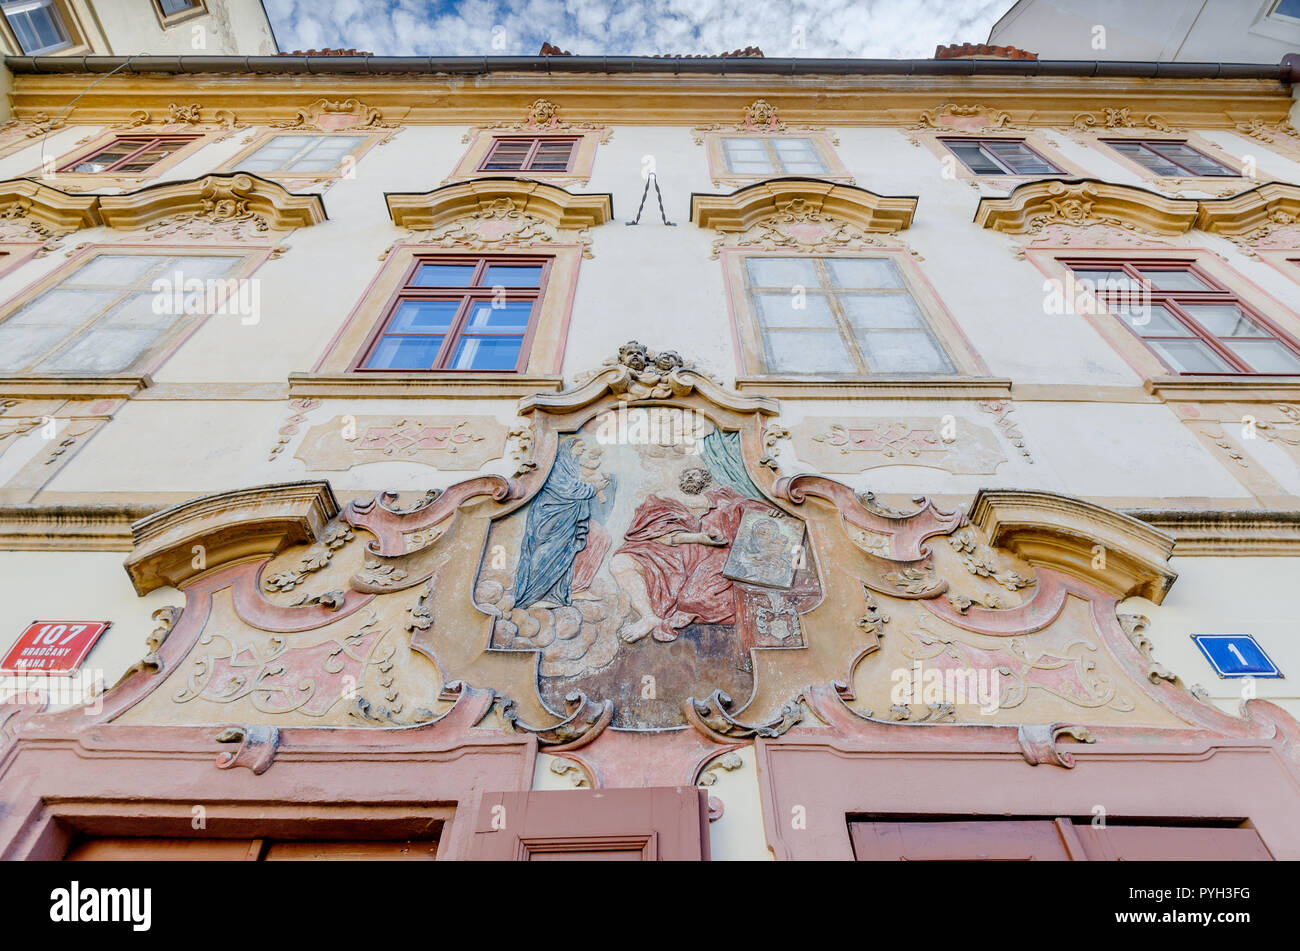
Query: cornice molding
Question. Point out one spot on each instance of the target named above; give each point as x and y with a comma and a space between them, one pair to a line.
1033, 206
1251, 214
683, 99
900, 388
220, 198
1227, 533
181, 543
355, 386
1216, 389
778, 198
1118, 552
497, 197
46, 210
36, 527
49, 386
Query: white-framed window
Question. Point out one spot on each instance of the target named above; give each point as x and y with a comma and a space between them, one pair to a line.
1286, 8
37, 25
772, 155
283, 154
839, 315
173, 7
108, 313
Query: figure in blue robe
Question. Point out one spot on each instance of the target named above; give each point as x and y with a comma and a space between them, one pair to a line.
555, 530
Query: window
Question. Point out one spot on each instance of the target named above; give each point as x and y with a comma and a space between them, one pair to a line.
461, 313
105, 316
37, 25
545, 154
839, 315
1165, 157
1000, 157
1187, 320
772, 155
172, 7
1287, 8
130, 153
302, 153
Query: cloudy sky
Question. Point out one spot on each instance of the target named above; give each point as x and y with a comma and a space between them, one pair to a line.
857, 28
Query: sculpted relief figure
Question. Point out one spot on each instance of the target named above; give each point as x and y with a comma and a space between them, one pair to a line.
673, 554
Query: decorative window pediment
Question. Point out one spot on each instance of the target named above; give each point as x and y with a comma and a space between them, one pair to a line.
542, 117
951, 117
803, 214
498, 213
1265, 215
1033, 206
45, 211
234, 199
759, 117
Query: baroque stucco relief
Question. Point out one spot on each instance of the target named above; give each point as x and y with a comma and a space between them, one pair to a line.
855, 444
645, 596
460, 443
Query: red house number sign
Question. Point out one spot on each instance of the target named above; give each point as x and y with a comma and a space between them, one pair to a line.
53, 647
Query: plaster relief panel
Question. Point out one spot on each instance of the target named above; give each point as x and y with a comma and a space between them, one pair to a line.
855, 444
460, 443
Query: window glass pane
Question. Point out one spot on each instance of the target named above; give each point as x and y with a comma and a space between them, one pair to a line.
1190, 356
1146, 158
781, 272
425, 316
806, 351
503, 275
443, 275
21, 345
487, 353
176, 6
62, 308
405, 353
202, 268
902, 352
1174, 280
1190, 158
1266, 356
864, 272
137, 310
510, 317
1156, 321
1020, 157
881, 310
1225, 320
975, 158
105, 350
1102, 281
747, 156
782, 310
37, 27
116, 270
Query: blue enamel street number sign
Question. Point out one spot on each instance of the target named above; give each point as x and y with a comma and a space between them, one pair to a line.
1236, 655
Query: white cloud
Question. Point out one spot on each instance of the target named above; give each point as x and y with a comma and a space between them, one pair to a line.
853, 28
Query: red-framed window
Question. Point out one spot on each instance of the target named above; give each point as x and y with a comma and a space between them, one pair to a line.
129, 153
460, 313
1171, 157
1193, 324
999, 157
547, 153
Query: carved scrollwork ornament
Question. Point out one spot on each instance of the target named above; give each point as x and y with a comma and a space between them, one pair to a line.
712, 717
585, 721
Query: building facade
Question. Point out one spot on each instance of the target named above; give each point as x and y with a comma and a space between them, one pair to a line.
819, 459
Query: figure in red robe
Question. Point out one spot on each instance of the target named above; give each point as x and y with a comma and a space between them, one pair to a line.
671, 560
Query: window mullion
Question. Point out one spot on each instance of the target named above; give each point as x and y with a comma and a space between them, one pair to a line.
143, 147
453, 332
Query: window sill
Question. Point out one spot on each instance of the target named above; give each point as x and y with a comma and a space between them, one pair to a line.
1195, 388
53, 386
883, 387
400, 384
